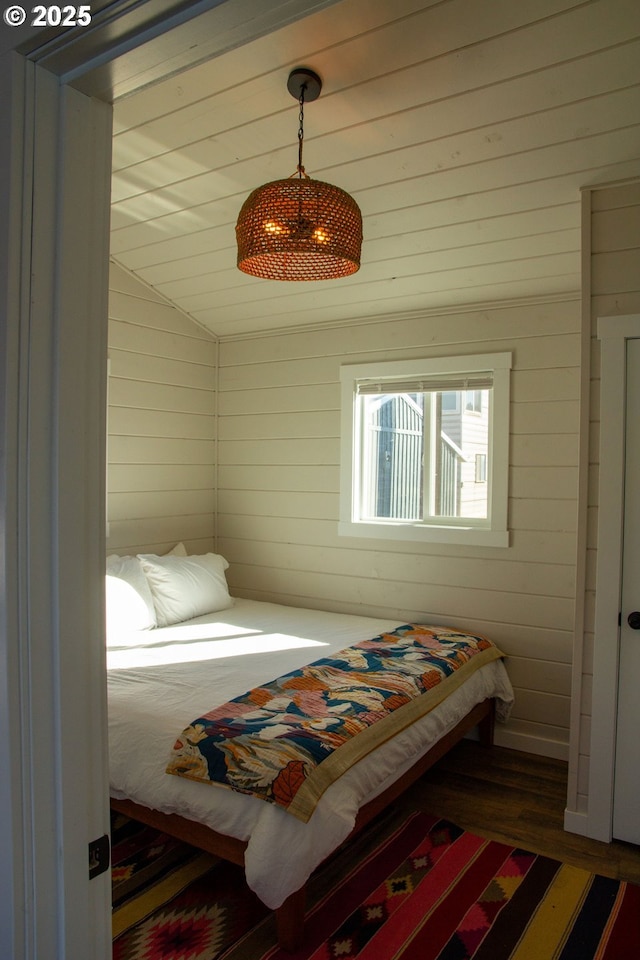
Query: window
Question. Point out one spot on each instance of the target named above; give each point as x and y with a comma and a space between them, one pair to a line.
451, 401
425, 450
475, 400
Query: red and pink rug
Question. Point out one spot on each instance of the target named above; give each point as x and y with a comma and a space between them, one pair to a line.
411, 886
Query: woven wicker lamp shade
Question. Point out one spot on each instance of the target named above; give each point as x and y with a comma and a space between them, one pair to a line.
299, 228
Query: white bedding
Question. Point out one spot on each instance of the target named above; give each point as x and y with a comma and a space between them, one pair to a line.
161, 680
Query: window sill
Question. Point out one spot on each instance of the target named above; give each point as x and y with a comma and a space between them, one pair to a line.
470, 536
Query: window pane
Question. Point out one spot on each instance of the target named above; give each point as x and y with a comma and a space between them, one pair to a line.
474, 400
452, 427
464, 435
392, 456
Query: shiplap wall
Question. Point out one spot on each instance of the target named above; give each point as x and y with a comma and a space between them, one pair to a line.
614, 214
463, 129
161, 423
278, 493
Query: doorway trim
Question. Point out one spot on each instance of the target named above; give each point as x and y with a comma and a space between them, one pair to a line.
613, 333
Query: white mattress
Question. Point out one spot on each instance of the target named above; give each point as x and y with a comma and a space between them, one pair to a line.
161, 680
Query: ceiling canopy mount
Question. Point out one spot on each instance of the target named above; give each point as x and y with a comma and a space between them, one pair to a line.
305, 83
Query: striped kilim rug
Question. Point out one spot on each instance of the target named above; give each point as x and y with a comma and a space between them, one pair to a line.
411, 886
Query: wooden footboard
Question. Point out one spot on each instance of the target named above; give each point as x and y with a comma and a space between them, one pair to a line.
290, 916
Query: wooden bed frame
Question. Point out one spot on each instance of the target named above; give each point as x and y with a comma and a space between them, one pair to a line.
290, 916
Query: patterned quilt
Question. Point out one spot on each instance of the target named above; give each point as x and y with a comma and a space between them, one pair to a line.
287, 741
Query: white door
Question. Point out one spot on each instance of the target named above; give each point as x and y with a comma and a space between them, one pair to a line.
626, 802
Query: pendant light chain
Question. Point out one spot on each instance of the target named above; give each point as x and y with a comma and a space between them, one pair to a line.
301, 130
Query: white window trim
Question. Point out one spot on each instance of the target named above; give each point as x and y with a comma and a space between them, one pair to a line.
492, 532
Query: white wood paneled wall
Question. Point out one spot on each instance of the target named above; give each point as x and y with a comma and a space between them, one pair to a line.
161, 423
278, 494
614, 216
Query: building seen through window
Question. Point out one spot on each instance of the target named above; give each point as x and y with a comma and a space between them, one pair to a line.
425, 454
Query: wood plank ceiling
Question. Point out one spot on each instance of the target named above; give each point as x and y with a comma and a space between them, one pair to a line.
464, 129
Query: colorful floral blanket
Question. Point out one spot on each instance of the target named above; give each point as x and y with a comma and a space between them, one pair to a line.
289, 740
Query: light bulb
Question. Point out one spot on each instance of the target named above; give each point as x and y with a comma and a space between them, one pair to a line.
274, 228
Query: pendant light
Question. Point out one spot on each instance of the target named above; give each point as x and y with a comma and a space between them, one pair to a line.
299, 228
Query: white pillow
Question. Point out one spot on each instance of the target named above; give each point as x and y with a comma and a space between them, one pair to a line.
178, 551
129, 601
186, 587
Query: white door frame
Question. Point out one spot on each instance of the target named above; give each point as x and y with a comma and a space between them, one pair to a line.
612, 332
54, 387
55, 154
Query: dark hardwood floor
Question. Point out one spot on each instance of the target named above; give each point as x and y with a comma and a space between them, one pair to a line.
519, 799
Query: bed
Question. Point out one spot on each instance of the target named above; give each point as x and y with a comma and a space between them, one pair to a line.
166, 672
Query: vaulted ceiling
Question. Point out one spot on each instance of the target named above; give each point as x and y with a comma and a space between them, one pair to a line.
465, 130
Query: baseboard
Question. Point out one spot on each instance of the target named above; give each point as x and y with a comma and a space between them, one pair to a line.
515, 740
575, 822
